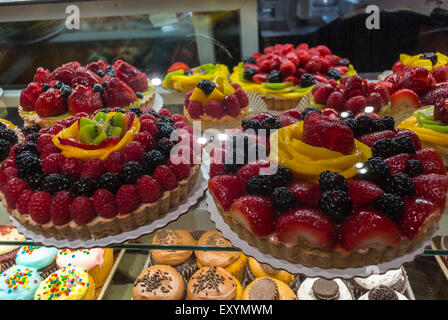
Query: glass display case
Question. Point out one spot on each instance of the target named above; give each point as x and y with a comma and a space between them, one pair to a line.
153, 35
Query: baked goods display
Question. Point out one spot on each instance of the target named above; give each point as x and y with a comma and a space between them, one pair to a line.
323, 289
73, 88
9, 136
382, 293
159, 282
283, 74
19, 283
40, 258
92, 177
8, 252
268, 289
325, 199
255, 270
392, 279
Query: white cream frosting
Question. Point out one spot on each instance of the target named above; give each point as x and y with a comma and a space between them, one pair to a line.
83, 258
305, 291
388, 279
9, 233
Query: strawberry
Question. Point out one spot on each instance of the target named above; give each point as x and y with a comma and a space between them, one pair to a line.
416, 214
29, 95
330, 112
252, 169
440, 74
438, 92
83, 99
370, 138
432, 187
363, 192
431, 160
286, 120
118, 94
336, 101
42, 76
356, 104
306, 192
255, 214
366, 227
411, 134
64, 74
323, 131
306, 224
177, 66
262, 116
226, 189
85, 77
132, 76
404, 99
398, 163
441, 111
322, 93
95, 66
342, 69
50, 103
295, 113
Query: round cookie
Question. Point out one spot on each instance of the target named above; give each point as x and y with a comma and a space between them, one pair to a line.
322, 289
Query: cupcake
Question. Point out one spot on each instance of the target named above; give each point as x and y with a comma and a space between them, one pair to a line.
40, 258
382, 293
323, 289
233, 262
159, 282
8, 252
69, 283
97, 261
254, 270
393, 279
182, 260
19, 283
268, 289
213, 283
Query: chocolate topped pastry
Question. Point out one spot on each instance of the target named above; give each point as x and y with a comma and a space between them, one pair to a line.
264, 289
393, 279
382, 293
324, 289
174, 238
159, 282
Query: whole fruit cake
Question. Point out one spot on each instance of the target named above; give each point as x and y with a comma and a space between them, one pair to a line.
94, 176
72, 88
282, 75
329, 195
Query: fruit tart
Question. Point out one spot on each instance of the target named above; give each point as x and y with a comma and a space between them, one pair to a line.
72, 88
9, 136
216, 104
99, 175
325, 199
282, 75
181, 78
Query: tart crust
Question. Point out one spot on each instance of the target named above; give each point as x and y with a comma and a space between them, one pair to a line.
309, 256
227, 121
279, 103
100, 227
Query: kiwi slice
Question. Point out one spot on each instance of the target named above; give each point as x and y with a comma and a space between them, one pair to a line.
87, 132
274, 85
100, 117
117, 120
86, 121
100, 138
114, 131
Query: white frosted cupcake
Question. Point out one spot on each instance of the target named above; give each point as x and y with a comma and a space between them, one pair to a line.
382, 293
322, 289
393, 279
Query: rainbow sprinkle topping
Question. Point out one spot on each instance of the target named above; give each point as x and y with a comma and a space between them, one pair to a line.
63, 283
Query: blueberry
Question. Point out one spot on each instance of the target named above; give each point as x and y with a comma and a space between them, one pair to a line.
139, 95
59, 85
45, 87
98, 88
100, 73
66, 91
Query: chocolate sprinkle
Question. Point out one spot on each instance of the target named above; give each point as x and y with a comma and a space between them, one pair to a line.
324, 289
209, 279
382, 293
151, 283
217, 240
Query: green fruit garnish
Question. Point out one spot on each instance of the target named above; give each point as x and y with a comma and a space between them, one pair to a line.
87, 133
100, 117
114, 132
174, 73
274, 85
438, 128
86, 121
100, 138
117, 120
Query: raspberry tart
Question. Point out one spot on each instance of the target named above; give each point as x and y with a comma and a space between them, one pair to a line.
282, 75
216, 104
100, 175
181, 78
72, 88
328, 196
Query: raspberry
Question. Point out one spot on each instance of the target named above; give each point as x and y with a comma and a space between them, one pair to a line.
356, 104
195, 109
148, 189
312, 67
148, 126
382, 90
214, 109
55, 129
53, 163
149, 116
336, 101
374, 100
231, 105
323, 93
7, 174
43, 140
49, 149
165, 112
72, 167
181, 170
39, 207
165, 177
13, 190
132, 171
60, 207
104, 204
93, 168
308, 110
133, 151
82, 210
178, 117
114, 162
23, 200
127, 198
242, 98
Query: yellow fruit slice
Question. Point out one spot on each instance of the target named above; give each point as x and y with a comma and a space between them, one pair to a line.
199, 95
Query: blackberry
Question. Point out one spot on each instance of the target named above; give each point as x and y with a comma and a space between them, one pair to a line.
9, 135
385, 148
137, 111
275, 76
250, 124
404, 144
377, 170
353, 124
5, 147
165, 145
26, 146
384, 123
139, 95
347, 115
248, 73
432, 56
150, 160
33, 138
260, 185
58, 85
28, 164
30, 129
166, 120
250, 60
414, 168
35, 180
233, 161
329, 180
66, 91
84, 187
164, 130
100, 73
307, 80
98, 88
343, 62
282, 177
333, 74
55, 182
206, 86
400, 184
132, 171
110, 181
390, 205
118, 110
2, 125
270, 125
336, 204
104, 110
365, 124
283, 199
308, 110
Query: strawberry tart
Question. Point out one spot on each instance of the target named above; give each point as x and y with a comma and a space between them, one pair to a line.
73, 88
328, 196
282, 75
94, 176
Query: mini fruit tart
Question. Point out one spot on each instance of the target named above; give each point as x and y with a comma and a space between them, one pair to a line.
282, 75
328, 197
100, 175
72, 88
181, 78
216, 104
